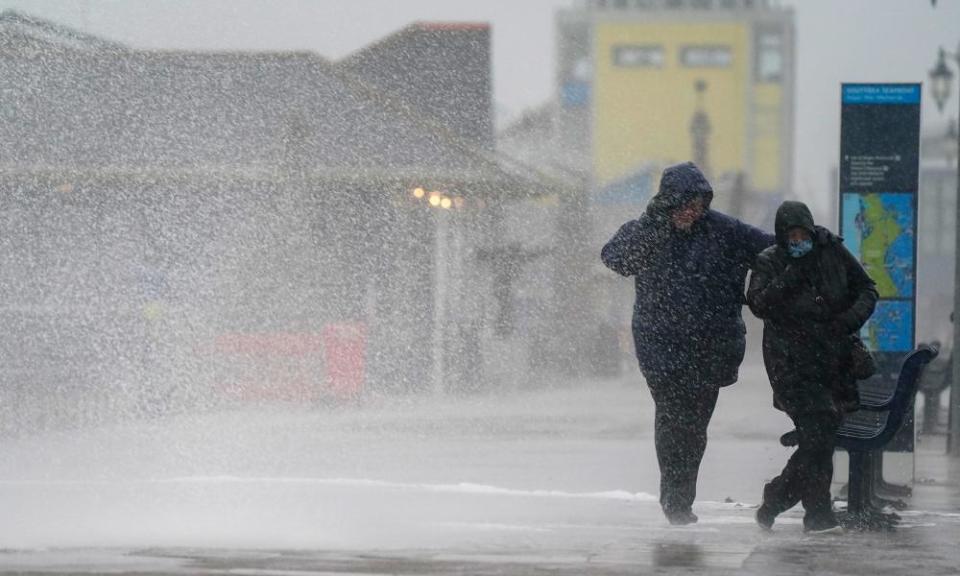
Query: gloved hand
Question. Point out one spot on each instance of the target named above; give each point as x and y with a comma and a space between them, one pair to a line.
790, 278
656, 231
659, 208
845, 323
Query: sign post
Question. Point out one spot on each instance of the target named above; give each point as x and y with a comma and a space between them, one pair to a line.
879, 177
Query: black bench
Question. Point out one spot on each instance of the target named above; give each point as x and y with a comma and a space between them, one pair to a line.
876, 391
863, 435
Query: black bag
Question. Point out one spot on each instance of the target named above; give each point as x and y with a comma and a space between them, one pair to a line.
862, 364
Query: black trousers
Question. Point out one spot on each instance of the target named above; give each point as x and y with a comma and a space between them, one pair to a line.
806, 477
683, 412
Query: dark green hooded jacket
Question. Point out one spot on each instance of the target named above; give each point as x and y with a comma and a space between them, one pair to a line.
812, 307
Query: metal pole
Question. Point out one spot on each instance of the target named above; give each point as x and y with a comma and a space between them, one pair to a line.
440, 299
953, 442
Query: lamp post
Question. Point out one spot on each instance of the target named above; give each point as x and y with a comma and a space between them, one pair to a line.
700, 130
447, 243
941, 80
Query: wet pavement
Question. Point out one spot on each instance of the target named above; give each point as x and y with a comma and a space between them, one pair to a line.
552, 481
725, 542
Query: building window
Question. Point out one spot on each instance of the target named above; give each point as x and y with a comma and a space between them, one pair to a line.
769, 57
637, 56
706, 56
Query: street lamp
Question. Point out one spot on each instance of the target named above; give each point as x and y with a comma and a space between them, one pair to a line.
941, 80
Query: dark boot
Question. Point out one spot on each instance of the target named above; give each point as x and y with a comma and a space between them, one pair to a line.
681, 518
765, 517
823, 523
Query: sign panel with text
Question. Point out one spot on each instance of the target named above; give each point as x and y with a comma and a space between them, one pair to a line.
879, 174
879, 178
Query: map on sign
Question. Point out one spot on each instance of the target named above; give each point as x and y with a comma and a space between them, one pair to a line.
890, 329
879, 230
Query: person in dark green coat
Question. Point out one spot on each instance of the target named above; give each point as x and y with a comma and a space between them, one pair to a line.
814, 297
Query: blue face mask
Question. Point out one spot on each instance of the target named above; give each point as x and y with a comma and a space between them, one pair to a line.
800, 248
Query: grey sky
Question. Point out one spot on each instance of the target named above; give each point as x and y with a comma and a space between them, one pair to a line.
838, 40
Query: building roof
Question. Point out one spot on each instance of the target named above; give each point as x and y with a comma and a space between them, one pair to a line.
73, 101
441, 70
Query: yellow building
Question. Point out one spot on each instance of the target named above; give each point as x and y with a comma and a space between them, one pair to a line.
641, 84
654, 82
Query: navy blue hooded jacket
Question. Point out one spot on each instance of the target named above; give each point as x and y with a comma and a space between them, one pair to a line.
687, 319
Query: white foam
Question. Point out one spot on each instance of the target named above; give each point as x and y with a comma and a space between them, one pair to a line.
460, 488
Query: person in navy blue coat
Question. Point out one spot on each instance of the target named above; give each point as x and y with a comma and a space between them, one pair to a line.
689, 264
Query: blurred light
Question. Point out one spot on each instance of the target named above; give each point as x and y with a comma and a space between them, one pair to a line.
445, 203
65, 188
434, 199
458, 202
418, 193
